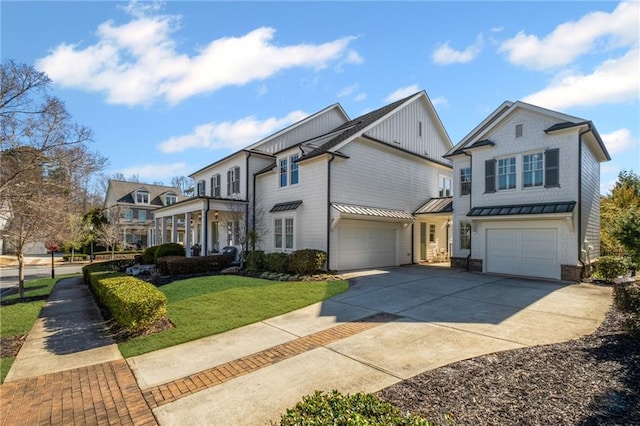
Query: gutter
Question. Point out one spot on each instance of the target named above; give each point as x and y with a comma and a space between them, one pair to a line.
333, 156
470, 204
246, 207
582, 273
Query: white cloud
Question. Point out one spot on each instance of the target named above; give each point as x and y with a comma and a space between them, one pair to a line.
618, 141
570, 40
137, 62
156, 172
615, 80
229, 135
360, 97
402, 92
440, 100
445, 55
346, 91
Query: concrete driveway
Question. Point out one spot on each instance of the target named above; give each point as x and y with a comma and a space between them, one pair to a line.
432, 317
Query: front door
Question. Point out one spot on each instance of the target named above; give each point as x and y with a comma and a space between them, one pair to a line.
423, 241
215, 237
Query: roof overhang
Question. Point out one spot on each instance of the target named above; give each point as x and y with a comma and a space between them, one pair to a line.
197, 204
436, 206
539, 211
350, 211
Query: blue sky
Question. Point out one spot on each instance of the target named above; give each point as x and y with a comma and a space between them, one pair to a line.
169, 87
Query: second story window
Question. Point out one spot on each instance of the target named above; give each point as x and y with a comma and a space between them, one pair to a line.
507, 173
294, 169
465, 181
200, 189
444, 189
142, 215
532, 170
283, 172
142, 197
215, 186
170, 199
128, 215
233, 181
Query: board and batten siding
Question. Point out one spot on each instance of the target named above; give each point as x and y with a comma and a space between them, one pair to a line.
402, 130
590, 202
310, 219
315, 127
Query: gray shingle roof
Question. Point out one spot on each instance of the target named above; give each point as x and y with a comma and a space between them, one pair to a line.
123, 191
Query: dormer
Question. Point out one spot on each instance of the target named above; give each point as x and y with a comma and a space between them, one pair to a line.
169, 198
141, 196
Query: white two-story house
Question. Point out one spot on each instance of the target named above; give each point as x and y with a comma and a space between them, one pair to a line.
527, 194
373, 191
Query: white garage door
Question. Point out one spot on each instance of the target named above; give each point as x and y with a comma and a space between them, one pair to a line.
529, 252
366, 244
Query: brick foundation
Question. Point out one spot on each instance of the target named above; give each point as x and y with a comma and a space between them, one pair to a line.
571, 272
474, 265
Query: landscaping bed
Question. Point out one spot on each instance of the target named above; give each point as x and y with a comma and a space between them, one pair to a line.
594, 380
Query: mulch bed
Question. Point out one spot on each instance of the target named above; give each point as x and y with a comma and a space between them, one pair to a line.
594, 380
10, 345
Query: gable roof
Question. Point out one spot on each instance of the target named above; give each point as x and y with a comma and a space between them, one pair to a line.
356, 127
123, 191
565, 121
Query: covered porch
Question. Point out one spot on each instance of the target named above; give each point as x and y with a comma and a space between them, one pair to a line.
433, 232
203, 225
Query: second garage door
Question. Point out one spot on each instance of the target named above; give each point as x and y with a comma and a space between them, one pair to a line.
529, 252
365, 244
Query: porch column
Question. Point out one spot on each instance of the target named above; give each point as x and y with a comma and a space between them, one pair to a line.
203, 229
156, 230
164, 230
187, 234
174, 229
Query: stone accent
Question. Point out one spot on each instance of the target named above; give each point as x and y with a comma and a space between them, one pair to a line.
474, 265
571, 273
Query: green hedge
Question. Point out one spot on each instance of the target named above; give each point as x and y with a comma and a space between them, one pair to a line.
178, 265
76, 256
169, 249
307, 261
149, 255
609, 268
336, 409
256, 261
627, 299
277, 262
133, 303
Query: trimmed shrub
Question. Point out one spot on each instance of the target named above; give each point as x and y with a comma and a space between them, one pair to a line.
307, 261
169, 249
627, 300
277, 262
177, 265
609, 268
149, 255
255, 261
76, 256
133, 303
358, 409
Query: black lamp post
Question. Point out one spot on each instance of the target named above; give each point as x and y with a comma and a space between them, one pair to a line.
52, 246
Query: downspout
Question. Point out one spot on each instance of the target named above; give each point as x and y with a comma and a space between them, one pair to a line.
470, 203
333, 156
246, 207
584, 267
413, 251
205, 223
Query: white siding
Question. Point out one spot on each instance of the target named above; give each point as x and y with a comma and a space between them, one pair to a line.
316, 126
402, 130
222, 168
461, 204
590, 203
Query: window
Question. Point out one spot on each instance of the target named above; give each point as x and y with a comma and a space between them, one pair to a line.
507, 173
170, 199
233, 181
294, 169
283, 173
128, 215
200, 188
142, 197
519, 130
283, 233
465, 181
445, 187
233, 233
552, 168
432, 233
142, 215
419, 128
215, 186
465, 236
532, 170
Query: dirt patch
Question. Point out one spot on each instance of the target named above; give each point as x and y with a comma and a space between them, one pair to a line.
10, 346
594, 380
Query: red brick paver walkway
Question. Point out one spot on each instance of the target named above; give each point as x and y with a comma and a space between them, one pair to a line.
169, 392
100, 394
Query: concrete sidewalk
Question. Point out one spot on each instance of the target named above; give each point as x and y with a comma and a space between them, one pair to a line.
389, 326
69, 371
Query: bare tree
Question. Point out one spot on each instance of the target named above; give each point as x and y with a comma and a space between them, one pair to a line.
109, 234
77, 233
184, 184
45, 160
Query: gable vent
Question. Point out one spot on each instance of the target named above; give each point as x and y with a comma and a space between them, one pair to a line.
518, 130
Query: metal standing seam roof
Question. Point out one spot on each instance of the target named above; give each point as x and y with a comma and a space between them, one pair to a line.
436, 205
372, 211
520, 209
283, 207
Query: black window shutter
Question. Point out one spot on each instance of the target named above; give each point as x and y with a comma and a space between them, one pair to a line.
229, 172
490, 176
552, 168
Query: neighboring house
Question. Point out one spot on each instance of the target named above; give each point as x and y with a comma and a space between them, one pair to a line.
347, 187
132, 204
527, 194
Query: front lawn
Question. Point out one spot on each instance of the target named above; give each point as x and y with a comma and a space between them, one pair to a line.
17, 316
204, 306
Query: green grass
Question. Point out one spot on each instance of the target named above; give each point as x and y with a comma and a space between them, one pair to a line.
17, 317
205, 306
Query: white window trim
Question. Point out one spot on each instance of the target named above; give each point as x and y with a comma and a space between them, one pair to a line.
517, 161
469, 182
291, 162
287, 171
283, 247
462, 225
442, 188
522, 172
